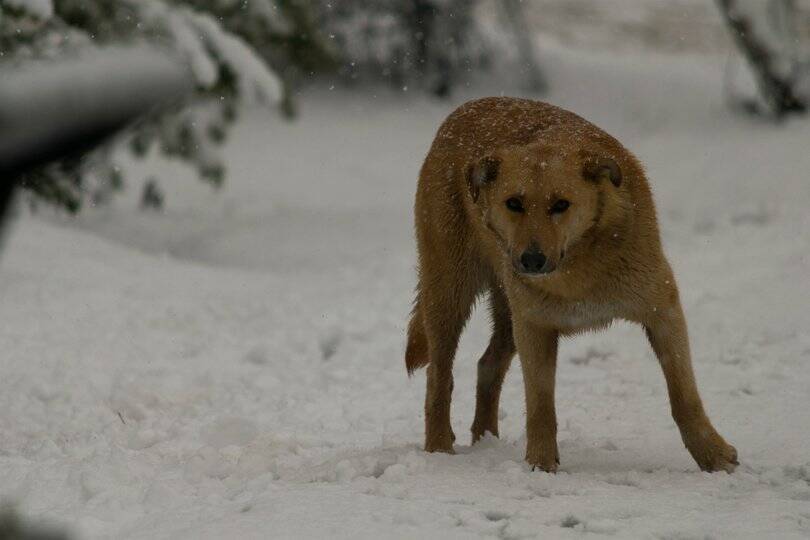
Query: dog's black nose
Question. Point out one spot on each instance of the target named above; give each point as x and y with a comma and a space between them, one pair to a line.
532, 261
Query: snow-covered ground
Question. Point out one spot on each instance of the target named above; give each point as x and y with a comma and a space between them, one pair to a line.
233, 367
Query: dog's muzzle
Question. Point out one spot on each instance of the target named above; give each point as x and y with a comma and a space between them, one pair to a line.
534, 262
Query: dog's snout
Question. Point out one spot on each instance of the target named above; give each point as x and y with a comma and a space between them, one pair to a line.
532, 261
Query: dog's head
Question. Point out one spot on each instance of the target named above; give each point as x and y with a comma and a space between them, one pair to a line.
541, 199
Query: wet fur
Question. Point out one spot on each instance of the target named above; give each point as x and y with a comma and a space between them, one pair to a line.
606, 249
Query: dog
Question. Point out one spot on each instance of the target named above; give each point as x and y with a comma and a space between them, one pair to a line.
554, 218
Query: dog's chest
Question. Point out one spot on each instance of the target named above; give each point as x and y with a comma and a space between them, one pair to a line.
574, 315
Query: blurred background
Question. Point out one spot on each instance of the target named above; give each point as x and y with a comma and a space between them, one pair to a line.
279, 55
207, 274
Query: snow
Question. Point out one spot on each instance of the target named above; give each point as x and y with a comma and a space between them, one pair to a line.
187, 41
233, 366
205, 45
258, 82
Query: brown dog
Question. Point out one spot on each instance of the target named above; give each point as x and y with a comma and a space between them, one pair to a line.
554, 217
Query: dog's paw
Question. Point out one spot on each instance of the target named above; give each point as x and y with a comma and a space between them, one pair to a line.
479, 432
440, 444
548, 467
547, 459
440, 449
713, 454
722, 457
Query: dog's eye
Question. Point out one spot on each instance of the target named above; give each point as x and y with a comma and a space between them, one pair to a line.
560, 206
514, 204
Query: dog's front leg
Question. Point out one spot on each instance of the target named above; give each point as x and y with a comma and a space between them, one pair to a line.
537, 348
666, 330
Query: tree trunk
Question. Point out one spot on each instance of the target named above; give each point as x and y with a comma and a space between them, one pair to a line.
776, 89
535, 79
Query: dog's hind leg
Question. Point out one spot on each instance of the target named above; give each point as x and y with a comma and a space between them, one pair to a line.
445, 301
666, 330
492, 366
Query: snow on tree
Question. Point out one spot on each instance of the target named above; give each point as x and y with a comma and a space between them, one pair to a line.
229, 69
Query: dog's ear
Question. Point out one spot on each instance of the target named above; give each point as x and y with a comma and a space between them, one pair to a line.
481, 172
596, 168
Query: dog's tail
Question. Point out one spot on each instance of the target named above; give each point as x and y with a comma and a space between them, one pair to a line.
416, 353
